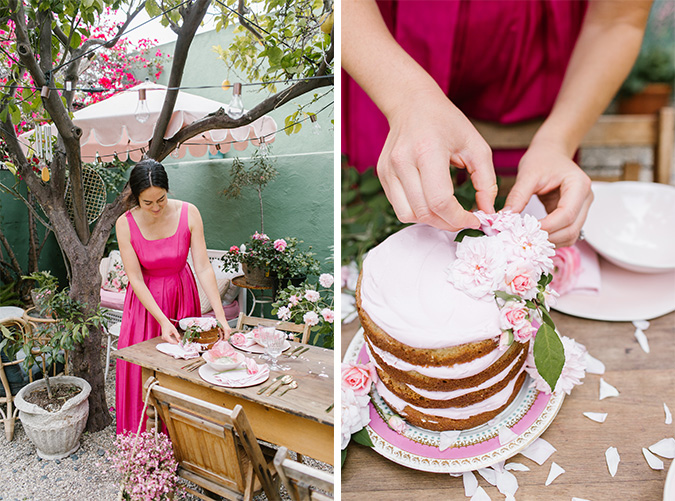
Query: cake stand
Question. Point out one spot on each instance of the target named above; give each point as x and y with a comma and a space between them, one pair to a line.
530, 413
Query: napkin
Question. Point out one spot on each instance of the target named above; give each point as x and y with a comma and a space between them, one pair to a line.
179, 351
227, 379
589, 281
242, 340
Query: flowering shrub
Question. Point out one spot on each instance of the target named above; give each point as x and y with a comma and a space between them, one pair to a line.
355, 383
147, 465
305, 304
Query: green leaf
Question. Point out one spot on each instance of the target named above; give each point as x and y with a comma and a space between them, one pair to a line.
506, 296
468, 232
546, 317
545, 280
362, 437
549, 355
152, 8
344, 456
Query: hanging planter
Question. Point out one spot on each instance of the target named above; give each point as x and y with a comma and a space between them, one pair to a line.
259, 277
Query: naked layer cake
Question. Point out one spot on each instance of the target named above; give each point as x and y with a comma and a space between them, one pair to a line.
451, 353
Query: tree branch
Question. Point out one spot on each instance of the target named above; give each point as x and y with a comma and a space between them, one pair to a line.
241, 11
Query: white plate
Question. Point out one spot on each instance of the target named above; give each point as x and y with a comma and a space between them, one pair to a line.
632, 224
669, 490
239, 377
256, 348
10, 312
624, 296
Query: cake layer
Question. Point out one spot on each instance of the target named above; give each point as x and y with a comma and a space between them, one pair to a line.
457, 398
404, 289
456, 418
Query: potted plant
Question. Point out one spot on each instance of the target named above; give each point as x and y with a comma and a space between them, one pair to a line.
311, 304
255, 258
649, 85
293, 265
54, 410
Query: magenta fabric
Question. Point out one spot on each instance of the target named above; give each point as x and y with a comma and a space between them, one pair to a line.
497, 60
172, 284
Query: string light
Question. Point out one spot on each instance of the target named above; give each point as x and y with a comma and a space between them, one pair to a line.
316, 126
262, 147
142, 112
236, 108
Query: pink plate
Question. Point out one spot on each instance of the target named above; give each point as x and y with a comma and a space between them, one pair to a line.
236, 378
528, 416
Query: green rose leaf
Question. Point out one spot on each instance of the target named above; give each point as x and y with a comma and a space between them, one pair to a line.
506, 296
545, 280
546, 317
362, 437
344, 456
468, 232
549, 354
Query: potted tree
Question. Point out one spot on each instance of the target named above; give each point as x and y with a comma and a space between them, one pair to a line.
54, 410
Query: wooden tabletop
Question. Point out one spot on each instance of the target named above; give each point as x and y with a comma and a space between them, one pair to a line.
635, 419
310, 400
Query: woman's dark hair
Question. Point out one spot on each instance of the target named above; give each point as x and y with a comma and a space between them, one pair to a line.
145, 174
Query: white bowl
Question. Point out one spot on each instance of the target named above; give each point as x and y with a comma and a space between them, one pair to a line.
669, 490
223, 363
632, 225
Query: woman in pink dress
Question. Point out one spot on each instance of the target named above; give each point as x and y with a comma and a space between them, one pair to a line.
154, 239
427, 65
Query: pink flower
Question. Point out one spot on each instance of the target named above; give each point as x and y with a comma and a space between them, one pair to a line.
293, 300
260, 236
527, 240
222, 349
251, 366
573, 370
492, 224
524, 333
310, 318
238, 339
566, 269
280, 244
358, 377
312, 296
326, 280
521, 279
478, 268
513, 315
234, 249
397, 424
328, 315
284, 313
354, 414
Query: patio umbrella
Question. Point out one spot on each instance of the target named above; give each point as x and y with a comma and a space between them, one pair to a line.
110, 127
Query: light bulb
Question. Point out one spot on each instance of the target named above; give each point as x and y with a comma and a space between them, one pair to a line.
262, 147
316, 126
142, 112
175, 153
236, 108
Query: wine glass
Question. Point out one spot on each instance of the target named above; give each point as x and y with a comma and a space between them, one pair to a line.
274, 344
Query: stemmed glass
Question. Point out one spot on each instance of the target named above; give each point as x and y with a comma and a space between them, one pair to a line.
274, 344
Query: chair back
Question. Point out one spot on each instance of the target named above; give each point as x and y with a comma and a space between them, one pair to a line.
300, 331
303, 482
8, 417
215, 447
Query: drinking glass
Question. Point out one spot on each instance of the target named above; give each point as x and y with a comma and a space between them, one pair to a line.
274, 344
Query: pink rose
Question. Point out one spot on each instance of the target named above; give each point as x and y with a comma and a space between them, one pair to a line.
222, 349
310, 318
566, 269
280, 244
521, 279
251, 366
358, 377
312, 296
284, 313
524, 333
397, 424
293, 300
238, 339
326, 280
234, 249
513, 315
328, 315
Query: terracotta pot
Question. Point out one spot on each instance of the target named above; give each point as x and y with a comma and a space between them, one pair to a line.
258, 277
652, 98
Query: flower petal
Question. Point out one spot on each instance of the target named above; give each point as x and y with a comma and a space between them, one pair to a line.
507, 483
607, 390
579, 499
481, 495
654, 462
613, 460
555, 471
470, 483
598, 417
593, 365
669, 416
489, 475
641, 324
506, 435
642, 340
516, 467
664, 448
539, 451
448, 439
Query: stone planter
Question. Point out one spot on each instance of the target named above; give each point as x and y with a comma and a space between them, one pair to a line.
55, 434
650, 100
258, 277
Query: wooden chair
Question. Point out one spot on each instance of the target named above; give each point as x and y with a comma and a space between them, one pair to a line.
9, 417
299, 331
656, 131
302, 481
215, 447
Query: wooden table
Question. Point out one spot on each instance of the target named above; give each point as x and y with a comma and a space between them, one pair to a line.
635, 420
298, 420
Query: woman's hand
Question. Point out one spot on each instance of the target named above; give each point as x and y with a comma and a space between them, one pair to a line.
427, 134
170, 333
224, 329
564, 189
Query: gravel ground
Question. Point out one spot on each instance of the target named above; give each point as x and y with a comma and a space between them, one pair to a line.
84, 476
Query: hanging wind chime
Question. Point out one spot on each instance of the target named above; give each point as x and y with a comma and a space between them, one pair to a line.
43, 149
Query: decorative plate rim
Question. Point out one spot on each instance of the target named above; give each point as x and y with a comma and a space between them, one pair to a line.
469, 463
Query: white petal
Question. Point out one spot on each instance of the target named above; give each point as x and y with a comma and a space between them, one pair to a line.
555, 472
516, 467
470, 483
607, 390
481, 495
506, 435
669, 416
539, 451
613, 459
641, 324
579, 499
498, 467
456, 474
654, 462
507, 483
642, 340
593, 365
664, 448
448, 439
489, 475
598, 417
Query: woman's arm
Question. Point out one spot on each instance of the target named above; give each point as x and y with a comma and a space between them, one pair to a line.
203, 268
427, 132
606, 49
133, 270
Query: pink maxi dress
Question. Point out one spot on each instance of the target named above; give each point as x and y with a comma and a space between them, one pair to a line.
172, 284
497, 60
